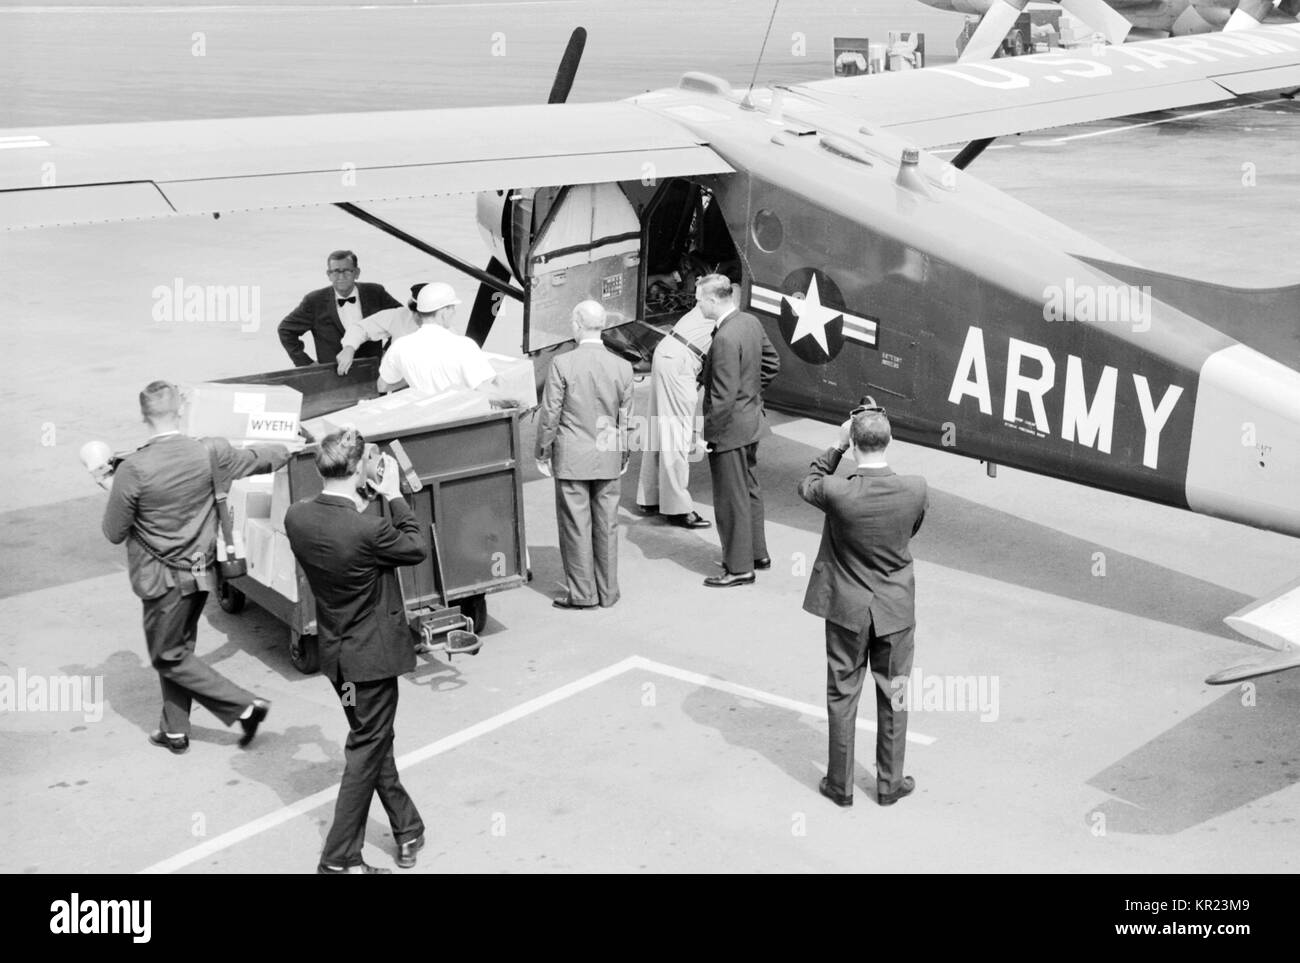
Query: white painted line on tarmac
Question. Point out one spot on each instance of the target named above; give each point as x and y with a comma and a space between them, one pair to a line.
303, 806
745, 692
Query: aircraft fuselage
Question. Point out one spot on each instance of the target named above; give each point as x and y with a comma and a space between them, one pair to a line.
974, 320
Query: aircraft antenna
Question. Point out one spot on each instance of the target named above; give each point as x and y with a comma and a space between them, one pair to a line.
748, 102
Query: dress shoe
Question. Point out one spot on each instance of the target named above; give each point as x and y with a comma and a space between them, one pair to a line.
356, 870
406, 851
845, 800
260, 708
730, 579
889, 798
177, 744
689, 520
648, 509
564, 602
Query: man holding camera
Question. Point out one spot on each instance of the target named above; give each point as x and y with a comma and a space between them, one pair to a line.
163, 498
862, 585
349, 555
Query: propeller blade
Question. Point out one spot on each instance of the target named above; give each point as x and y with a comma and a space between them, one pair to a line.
486, 304
1100, 16
992, 30
568, 67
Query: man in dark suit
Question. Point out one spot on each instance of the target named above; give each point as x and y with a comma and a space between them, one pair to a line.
581, 441
325, 313
862, 585
741, 364
163, 500
348, 556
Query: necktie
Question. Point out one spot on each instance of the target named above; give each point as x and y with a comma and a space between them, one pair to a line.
351, 300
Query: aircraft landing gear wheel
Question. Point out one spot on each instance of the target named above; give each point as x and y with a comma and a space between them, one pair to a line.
475, 608
230, 598
304, 652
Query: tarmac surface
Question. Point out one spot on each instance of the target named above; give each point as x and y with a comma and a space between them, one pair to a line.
680, 730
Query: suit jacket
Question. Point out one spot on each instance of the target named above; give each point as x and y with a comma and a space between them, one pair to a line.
740, 365
164, 491
585, 410
319, 314
348, 558
864, 568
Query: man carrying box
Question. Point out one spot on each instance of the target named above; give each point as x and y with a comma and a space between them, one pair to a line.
163, 499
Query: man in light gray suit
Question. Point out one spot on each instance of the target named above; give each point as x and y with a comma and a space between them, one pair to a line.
582, 443
862, 585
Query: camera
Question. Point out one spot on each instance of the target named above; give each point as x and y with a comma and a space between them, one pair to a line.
373, 463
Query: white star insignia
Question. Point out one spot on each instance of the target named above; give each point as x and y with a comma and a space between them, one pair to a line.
812, 315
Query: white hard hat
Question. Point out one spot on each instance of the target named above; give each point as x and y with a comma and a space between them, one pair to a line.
434, 296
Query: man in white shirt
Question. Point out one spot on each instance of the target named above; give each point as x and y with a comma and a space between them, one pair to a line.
391, 323
436, 358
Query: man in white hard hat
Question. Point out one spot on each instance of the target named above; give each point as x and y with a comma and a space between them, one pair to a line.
437, 357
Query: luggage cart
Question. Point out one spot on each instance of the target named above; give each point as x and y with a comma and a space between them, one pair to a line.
464, 481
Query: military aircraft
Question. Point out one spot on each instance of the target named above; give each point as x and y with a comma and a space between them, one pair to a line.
986, 327
1120, 19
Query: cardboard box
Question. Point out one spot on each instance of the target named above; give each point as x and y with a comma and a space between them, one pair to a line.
244, 414
518, 378
280, 501
259, 548
249, 498
284, 567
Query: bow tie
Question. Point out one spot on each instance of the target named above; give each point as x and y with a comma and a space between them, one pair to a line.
351, 300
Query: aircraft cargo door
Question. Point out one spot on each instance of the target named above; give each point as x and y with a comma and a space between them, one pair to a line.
589, 248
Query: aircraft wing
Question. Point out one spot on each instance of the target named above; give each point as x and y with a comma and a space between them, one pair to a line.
85, 174
965, 102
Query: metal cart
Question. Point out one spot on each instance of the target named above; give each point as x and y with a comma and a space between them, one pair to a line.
470, 502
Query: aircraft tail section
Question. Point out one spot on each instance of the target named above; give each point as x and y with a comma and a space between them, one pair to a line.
1273, 621
1266, 319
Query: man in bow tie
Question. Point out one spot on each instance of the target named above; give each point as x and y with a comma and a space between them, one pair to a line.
326, 313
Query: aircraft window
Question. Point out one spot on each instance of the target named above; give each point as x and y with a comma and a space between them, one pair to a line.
768, 232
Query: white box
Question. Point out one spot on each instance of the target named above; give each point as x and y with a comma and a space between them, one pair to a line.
284, 569
517, 377
279, 499
244, 414
249, 498
259, 549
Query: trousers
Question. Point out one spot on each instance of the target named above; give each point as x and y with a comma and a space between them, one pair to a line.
738, 507
171, 624
848, 656
369, 768
587, 513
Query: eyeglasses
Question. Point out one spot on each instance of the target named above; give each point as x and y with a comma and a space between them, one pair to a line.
341, 271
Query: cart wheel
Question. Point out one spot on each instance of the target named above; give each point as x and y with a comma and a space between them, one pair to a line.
304, 652
230, 598
475, 606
